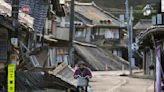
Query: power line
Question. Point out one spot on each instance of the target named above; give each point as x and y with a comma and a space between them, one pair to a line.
135, 11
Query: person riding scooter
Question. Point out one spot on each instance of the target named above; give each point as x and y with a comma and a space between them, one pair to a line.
82, 74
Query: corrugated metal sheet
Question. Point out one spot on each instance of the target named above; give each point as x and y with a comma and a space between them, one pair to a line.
30, 81
65, 72
26, 81
67, 75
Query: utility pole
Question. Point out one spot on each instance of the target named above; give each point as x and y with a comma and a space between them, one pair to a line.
15, 9
130, 37
11, 68
15, 13
71, 33
14, 38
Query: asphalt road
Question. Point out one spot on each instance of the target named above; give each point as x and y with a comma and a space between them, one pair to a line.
111, 82
135, 85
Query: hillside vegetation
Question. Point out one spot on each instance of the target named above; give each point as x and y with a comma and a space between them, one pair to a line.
117, 7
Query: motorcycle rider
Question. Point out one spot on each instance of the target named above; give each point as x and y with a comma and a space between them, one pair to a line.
82, 74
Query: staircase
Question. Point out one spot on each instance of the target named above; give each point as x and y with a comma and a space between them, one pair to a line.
3, 45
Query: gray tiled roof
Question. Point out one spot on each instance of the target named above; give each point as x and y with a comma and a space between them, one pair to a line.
26, 81
144, 35
143, 24
92, 12
38, 11
97, 60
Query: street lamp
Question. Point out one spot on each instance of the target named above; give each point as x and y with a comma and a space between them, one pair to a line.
147, 10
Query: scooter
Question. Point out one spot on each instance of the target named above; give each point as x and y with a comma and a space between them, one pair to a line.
83, 84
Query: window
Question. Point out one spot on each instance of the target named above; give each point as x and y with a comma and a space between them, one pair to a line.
59, 58
117, 53
80, 32
112, 33
61, 55
101, 31
62, 58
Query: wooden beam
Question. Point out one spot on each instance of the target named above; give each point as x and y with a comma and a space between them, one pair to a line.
2, 65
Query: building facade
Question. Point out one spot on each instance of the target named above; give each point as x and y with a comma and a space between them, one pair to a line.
94, 25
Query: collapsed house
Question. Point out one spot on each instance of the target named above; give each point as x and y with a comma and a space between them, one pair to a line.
35, 70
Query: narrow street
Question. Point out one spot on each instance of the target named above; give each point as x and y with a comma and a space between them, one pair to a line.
108, 82
53, 45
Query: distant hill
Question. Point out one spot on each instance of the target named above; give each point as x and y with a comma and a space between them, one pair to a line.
119, 3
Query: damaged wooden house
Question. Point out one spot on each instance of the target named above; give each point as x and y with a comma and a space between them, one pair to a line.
39, 58
95, 28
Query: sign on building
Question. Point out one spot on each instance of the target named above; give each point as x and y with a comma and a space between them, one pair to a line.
25, 9
132, 62
159, 18
11, 78
37, 10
